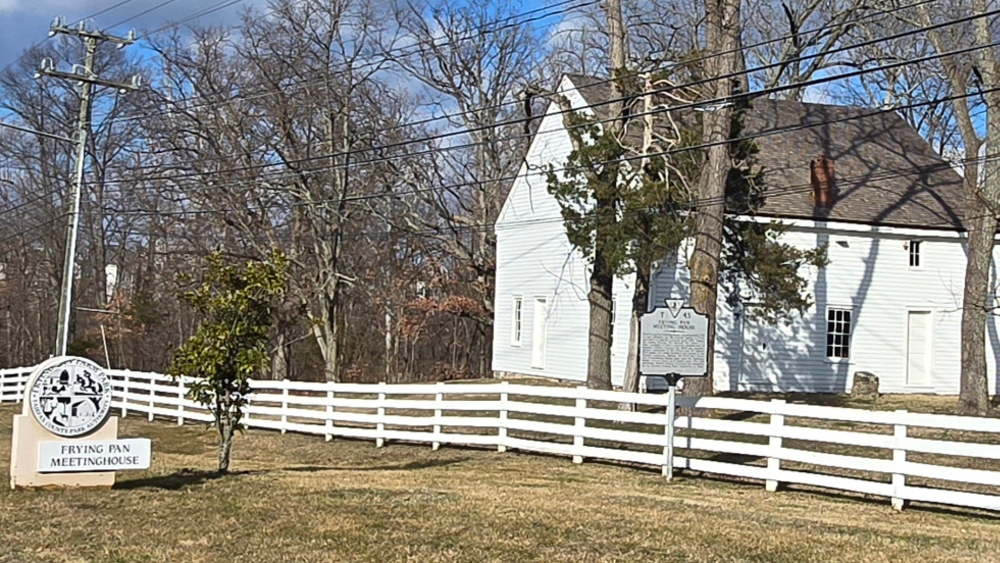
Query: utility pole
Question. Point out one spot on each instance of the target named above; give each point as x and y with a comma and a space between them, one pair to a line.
87, 79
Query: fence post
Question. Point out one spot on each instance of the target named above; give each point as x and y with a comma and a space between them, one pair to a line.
329, 415
284, 405
438, 398
124, 393
580, 422
380, 425
246, 412
774, 445
180, 401
152, 398
899, 460
502, 430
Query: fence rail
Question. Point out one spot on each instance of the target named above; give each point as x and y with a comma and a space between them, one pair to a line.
898, 455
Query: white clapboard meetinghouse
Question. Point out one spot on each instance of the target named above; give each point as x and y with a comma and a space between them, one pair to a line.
888, 209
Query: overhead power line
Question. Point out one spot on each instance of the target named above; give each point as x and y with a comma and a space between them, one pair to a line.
395, 194
506, 22
707, 103
27, 230
285, 88
495, 181
150, 10
680, 107
280, 175
81, 20
28, 202
35, 132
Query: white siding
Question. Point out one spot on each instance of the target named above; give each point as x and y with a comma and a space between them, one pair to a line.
534, 260
869, 275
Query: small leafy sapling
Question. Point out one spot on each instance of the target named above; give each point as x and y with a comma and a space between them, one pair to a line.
230, 345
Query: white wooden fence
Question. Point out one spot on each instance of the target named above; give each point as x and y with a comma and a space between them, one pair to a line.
898, 455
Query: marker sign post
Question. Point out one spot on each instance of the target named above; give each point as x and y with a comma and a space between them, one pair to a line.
673, 343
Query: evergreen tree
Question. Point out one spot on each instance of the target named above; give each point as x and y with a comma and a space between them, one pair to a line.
625, 210
230, 345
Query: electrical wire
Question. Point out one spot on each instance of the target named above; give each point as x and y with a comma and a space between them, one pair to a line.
106, 10
285, 88
436, 150
28, 202
680, 107
150, 10
868, 178
496, 181
400, 52
34, 227
83, 19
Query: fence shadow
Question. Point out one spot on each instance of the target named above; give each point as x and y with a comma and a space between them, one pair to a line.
411, 466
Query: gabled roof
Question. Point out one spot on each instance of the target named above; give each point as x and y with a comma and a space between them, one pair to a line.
884, 172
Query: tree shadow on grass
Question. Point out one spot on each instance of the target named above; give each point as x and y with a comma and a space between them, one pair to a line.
175, 481
191, 478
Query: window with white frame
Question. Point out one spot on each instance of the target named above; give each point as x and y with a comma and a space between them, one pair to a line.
838, 333
915, 258
515, 325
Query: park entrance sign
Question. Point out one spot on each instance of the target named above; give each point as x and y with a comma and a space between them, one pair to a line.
65, 436
673, 343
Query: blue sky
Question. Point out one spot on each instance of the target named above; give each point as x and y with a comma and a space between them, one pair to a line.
25, 22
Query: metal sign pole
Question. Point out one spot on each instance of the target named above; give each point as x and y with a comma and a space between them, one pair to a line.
671, 416
674, 344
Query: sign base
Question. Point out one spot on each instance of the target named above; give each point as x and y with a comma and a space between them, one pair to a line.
24, 457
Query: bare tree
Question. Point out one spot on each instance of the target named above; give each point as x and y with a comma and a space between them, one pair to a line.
282, 168
967, 74
793, 40
470, 60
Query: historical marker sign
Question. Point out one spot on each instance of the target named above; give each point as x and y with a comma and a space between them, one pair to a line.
674, 341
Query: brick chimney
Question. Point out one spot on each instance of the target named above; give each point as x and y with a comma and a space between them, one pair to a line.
822, 182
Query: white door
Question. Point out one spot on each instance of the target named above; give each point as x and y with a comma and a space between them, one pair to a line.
539, 316
918, 348
758, 341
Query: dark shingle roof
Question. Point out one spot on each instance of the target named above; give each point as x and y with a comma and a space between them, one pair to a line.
884, 172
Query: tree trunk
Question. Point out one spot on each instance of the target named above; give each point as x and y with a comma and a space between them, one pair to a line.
983, 204
327, 333
601, 277
279, 360
640, 304
974, 394
388, 340
226, 431
722, 36
599, 344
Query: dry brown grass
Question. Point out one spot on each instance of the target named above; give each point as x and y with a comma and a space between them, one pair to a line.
299, 498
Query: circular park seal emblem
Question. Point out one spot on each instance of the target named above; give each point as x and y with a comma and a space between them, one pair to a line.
70, 396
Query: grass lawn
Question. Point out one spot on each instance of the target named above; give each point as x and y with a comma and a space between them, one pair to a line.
298, 498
